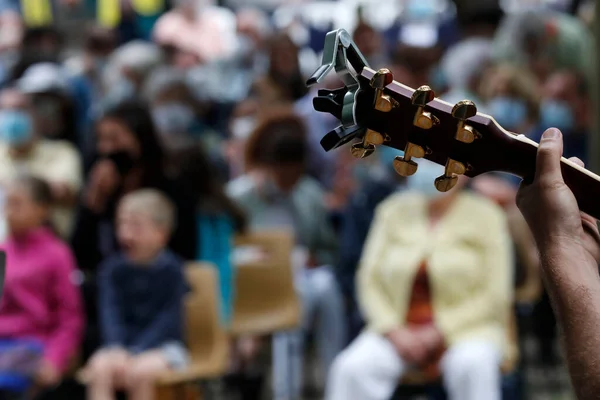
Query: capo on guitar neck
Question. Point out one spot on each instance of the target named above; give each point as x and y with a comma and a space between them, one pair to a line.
342, 54
376, 110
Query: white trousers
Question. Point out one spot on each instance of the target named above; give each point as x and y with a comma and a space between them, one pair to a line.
370, 369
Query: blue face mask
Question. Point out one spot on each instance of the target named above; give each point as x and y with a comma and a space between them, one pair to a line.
556, 114
421, 9
16, 127
510, 113
423, 180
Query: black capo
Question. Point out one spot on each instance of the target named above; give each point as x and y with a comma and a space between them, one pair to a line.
341, 53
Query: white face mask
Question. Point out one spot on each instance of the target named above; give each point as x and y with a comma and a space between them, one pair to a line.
423, 180
242, 127
173, 118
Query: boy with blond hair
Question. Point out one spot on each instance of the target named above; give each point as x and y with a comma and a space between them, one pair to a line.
141, 292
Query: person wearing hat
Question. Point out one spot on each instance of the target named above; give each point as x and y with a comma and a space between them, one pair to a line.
52, 97
23, 149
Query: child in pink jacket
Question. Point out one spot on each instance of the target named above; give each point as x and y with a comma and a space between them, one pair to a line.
41, 315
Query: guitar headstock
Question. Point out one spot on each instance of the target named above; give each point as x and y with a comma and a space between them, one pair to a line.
376, 110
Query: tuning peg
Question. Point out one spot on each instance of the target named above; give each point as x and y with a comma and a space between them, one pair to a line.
405, 166
423, 119
367, 146
379, 81
447, 181
462, 111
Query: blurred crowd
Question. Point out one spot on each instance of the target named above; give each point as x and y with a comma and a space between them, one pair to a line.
155, 132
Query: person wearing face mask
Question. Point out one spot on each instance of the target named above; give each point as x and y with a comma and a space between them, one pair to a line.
435, 287
174, 108
52, 98
127, 157
566, 105
23, 149
510, 96
277, 193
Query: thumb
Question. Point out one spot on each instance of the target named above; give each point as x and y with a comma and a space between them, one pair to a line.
547, 170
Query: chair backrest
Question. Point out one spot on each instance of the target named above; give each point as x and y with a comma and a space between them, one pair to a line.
265, 298
206, 339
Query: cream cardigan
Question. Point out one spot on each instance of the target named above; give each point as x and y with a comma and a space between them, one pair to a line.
469, 265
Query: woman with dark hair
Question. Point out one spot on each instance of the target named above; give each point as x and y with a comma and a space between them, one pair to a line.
283, 82
127, 157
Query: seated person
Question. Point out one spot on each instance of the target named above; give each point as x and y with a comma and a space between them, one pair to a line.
141, 293
41, 314
435, 287
24, 149
278, 194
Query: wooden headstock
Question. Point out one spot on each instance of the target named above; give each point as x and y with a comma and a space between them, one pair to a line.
465, 142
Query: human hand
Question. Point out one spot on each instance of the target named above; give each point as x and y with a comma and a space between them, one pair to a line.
551, 210
104, 180
408, 344
47, 375
430, 336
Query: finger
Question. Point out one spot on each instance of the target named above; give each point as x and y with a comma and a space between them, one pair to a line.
548, 157
577, 161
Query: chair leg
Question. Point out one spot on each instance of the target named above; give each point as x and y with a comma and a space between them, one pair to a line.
166, 392
193, 391
183, 391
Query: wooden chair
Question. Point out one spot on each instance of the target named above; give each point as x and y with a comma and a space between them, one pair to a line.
265, 299
206, 339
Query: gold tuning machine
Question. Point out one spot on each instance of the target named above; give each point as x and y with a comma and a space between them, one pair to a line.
367, 146
447, 181
462, 111
383, 102
423, 119
404, 165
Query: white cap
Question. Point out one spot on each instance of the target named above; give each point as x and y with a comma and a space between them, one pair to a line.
419, 34
44, 77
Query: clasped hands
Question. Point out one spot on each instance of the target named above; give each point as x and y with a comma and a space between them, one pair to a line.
416, 344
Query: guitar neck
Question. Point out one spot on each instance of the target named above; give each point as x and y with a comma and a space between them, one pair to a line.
584, 184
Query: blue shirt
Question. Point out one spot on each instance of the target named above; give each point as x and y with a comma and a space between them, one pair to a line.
141, 307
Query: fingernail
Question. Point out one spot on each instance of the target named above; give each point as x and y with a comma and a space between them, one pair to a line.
551, 133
